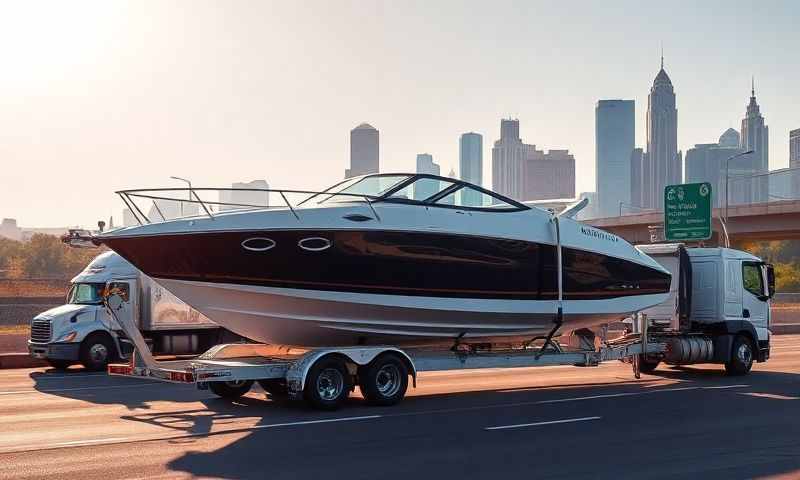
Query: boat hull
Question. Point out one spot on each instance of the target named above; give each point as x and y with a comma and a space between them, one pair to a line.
328, 318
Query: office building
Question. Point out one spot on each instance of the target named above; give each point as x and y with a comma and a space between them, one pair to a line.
663, 164
425, 164
755, 137
614, 141
364, 151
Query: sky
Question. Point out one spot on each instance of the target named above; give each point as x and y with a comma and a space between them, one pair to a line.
98, 96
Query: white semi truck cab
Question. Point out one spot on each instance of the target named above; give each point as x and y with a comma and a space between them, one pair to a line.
83, 331
718, 310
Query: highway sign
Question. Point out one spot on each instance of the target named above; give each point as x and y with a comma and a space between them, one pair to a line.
687, 211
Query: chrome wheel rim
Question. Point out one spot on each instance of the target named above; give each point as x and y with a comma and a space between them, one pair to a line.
98, 353
330, 384
387, 381
744, 353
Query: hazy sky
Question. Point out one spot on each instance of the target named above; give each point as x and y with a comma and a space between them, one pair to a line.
99, 96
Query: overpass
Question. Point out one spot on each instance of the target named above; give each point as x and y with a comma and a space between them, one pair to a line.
774, 220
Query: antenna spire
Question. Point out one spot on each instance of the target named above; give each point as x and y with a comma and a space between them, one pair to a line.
662, 55
753, 86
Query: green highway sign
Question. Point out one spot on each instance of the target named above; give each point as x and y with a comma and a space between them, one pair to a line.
687, 211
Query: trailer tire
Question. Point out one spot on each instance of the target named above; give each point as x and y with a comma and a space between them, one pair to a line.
647, 365
328, 383
275, 387
384, 380
60, 364
742, 355
230, 390
97, 351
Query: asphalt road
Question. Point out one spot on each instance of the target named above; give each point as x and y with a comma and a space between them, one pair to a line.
557, 422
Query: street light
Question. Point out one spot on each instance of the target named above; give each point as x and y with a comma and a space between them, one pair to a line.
190, 189
727, 179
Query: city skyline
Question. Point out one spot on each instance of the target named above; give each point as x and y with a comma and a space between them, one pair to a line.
131, 100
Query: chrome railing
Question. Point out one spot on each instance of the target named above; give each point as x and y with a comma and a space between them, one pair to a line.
171, 198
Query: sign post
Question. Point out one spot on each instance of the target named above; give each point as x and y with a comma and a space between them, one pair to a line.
687, 212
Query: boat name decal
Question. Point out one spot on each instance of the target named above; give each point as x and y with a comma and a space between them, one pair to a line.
591, 232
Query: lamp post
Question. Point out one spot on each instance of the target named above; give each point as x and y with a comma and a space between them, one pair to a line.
190, 189
727, 179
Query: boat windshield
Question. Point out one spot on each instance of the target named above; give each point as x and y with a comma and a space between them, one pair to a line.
371, 186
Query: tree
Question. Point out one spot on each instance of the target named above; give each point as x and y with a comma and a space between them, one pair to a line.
44, 256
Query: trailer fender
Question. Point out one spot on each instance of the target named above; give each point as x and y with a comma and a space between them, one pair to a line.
357, 356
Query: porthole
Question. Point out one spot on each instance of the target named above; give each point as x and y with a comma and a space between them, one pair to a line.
314, 244
258, 244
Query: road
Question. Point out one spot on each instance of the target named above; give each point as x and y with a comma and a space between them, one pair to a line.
554, 422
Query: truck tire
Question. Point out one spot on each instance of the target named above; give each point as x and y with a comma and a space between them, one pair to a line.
741, 360
647, 365
384, 380
230, 390
97, 351
275, 387
60, 364
328, 384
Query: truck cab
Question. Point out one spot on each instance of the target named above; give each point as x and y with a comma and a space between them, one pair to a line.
83, 331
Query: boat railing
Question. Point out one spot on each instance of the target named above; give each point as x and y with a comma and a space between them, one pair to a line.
171, 203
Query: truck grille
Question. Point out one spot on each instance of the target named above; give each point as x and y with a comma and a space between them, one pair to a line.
40, 331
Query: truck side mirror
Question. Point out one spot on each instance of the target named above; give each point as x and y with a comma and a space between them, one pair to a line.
770, 280
114, 301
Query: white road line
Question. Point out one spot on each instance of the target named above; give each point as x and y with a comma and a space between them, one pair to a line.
312, 422
78, 443
58, 390
538, 424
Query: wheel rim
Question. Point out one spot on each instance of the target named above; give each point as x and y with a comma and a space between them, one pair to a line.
330, 384
98, 353
744, 353
387, 380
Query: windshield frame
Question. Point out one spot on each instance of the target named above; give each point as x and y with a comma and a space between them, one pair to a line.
72, 289
432, 201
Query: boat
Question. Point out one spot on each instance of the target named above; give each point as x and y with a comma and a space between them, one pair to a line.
389, 259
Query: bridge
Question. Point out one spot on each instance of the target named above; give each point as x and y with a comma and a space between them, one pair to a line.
774, 220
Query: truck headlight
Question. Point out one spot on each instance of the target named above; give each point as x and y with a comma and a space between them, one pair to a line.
68, 337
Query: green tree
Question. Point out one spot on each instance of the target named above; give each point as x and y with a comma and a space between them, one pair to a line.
44, 256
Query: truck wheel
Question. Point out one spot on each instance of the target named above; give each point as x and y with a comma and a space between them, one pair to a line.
275, 387
384, 381
97, 351
647, 365
233, 389
327, 384
59, 364
741, 356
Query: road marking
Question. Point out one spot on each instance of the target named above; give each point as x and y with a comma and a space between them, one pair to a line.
57, 390
632, 394
78, 443
773, 396
312, 422
538, 424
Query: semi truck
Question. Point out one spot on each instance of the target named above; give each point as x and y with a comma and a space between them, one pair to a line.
83, 330
718, 311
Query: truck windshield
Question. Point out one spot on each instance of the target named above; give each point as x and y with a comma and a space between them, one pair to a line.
86, 293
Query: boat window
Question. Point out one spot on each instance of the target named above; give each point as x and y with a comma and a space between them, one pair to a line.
373, 186
473, 198
421, 189
86, 293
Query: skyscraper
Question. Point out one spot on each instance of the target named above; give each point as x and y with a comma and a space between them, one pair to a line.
662, 165
245, 193
637, 177
730, 138
615, 122
508, 156
706, 163
548, 176
470, 164
364, 151
794, 161
755, 137
425, 164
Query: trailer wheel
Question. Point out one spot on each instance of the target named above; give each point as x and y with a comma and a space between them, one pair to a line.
60, 364
97, 351
741, 360
647, 365
275, 387
233, 389
384, 381
327, 384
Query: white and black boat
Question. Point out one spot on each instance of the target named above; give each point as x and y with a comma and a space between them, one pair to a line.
391, 258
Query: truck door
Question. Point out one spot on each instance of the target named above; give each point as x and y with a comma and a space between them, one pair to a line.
755, 305
125, 290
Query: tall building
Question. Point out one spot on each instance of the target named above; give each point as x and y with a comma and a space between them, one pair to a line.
548, 176
364, 151
245, 193
425, 164
9, 229
706, 163
615, 122
663, 161
755, 137
470, 164
794, 161
508, 156
730, 138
